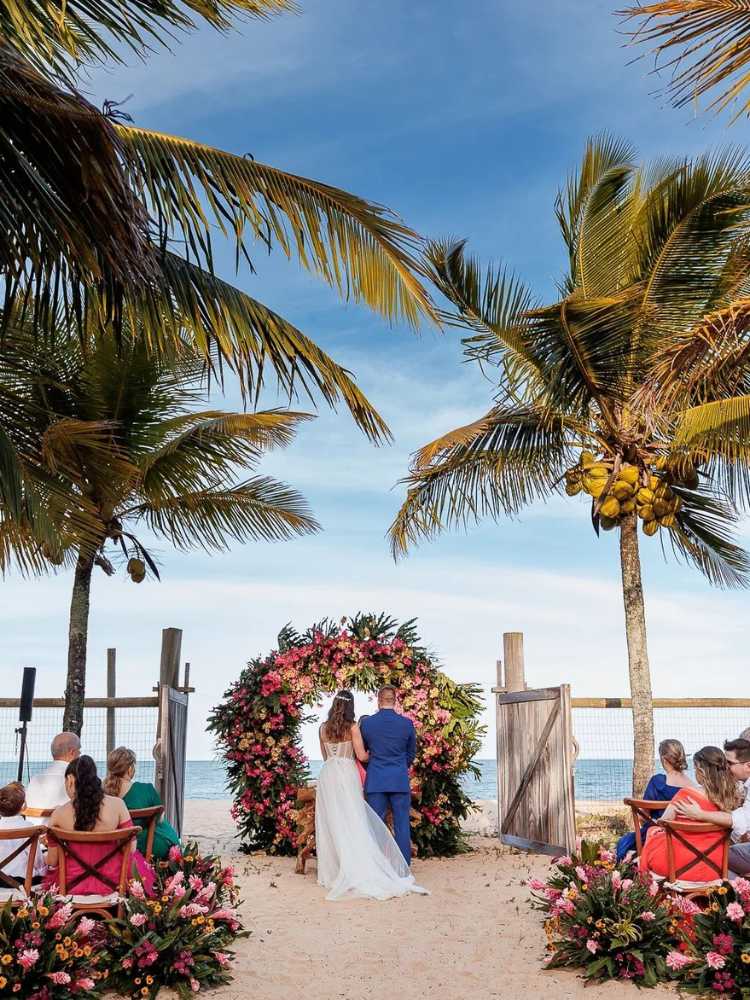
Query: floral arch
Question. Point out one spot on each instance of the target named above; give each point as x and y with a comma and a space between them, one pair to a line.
258, 726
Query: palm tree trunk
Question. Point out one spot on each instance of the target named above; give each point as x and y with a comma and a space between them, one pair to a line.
640, 673
78, 632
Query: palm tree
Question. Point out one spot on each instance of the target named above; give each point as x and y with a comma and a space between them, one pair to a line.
706, 44
114, 438
103, 224
578, 407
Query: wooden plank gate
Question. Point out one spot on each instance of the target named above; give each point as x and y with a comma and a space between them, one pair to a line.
174, 717
535, 757
536, 801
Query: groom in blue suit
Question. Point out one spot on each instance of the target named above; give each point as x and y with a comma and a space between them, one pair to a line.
391, 741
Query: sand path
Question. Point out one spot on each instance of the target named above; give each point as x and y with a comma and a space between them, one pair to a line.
474, 937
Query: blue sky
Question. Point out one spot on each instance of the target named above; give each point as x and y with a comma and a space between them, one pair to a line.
464, 118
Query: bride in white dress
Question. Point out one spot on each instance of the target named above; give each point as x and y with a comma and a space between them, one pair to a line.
357, 856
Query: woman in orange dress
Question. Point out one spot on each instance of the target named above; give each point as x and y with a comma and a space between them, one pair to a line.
718, 793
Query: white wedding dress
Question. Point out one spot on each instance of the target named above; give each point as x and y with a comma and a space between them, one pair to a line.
357, 856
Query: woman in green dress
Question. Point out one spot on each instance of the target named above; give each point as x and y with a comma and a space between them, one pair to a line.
138, 795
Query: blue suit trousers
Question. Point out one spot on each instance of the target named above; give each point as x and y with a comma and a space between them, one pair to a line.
400, 803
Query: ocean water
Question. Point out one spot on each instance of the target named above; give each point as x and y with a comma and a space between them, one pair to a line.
206, 779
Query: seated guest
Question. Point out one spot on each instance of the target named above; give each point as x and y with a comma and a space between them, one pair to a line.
138, 795
661, 787
12, 799
718, 793
738, 818
46, 790
89, 809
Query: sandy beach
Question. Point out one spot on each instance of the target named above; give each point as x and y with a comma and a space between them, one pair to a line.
473, 937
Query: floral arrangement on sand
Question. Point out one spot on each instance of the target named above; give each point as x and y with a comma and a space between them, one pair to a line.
605, 919
716, 947
258, 726
47, 952
181, 936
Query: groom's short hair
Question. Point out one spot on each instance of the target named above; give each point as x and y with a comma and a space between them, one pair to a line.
387, 694
745, 734
740, 748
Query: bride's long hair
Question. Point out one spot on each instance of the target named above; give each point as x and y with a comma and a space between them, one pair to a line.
340, 719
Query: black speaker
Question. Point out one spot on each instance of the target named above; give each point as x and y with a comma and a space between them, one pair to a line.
27, 694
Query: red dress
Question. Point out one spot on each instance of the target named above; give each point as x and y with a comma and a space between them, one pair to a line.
93, 854
362, 773
654, 854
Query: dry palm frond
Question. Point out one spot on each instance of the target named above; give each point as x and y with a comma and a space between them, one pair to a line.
62, 34
707, 45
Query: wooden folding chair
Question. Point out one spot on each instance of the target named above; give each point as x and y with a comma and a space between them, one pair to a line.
15, 890
30, 812
678, 830
147, 819
305, 824
69, 844
642, 811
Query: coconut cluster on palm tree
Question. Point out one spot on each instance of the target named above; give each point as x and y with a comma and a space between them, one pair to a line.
584, 399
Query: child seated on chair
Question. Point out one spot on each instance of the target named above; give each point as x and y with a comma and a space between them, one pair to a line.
12, 801
718, 791
661, 788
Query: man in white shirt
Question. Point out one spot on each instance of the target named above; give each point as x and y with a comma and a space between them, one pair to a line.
46, 790
738, 758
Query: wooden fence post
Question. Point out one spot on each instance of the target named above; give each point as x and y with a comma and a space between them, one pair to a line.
111, 693
515, 678
169, 668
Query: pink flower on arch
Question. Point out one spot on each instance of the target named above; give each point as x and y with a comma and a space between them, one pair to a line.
592, 946
715, 961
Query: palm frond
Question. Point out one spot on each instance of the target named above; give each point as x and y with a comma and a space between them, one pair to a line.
201, 449
231, 328
703, 536
260, 508
493, 467
62, 35
356, 246
706, 45
603, 155
67, 213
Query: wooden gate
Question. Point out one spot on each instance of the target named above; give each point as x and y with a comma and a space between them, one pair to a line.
536, 801
174, 717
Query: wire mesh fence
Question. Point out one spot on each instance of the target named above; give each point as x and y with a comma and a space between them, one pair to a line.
603, 770
134, 728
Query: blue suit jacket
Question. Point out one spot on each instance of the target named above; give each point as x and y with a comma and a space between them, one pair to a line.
392, 743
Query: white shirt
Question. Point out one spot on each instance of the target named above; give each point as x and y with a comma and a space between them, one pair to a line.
46, 790
741, 816
17, 867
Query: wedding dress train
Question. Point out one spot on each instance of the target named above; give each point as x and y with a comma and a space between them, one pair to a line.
357, 856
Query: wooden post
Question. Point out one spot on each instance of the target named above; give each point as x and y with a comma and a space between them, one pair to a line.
515, 678
186, 685
499, 668
169, 677
169, 668
111, 693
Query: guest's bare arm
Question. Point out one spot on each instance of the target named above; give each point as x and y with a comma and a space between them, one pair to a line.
323, 754
687, 809
359, 745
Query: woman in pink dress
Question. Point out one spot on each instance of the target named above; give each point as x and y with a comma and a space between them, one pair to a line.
91, 810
